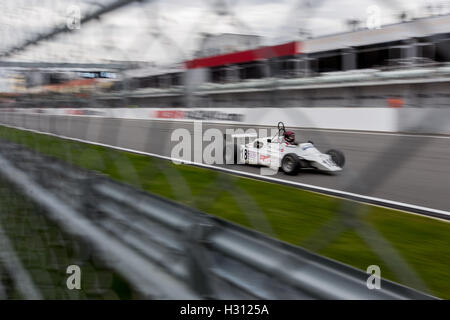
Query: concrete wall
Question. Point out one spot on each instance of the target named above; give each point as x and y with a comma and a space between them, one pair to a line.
413, 120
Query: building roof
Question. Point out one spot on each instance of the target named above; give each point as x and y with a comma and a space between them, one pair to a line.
399, 31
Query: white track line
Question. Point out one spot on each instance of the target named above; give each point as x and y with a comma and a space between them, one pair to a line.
334, 192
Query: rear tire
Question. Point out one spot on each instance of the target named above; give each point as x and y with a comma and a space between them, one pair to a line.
230, 154
337, 156
290, 164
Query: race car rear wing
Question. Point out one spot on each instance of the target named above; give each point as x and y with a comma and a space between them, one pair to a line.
242, 138
242, 135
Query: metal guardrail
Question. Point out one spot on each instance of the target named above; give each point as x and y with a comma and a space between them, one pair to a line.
166, 250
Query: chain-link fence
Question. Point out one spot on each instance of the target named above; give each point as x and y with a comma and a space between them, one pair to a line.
152, 41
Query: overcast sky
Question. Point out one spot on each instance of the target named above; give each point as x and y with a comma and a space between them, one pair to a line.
168, 31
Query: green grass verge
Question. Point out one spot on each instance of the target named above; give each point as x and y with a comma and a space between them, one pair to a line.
296, 216
46, 252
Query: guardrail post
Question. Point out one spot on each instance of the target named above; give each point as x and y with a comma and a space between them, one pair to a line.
198, 258
89, 199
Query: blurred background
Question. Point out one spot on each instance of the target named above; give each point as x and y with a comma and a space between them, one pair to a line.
91, 92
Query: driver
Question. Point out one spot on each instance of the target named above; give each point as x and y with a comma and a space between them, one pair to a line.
289, 137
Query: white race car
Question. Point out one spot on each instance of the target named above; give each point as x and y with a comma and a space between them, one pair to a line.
281, 151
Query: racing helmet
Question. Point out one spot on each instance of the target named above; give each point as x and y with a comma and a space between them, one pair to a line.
289, 136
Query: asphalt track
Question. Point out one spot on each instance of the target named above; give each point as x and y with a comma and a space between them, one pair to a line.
413, 169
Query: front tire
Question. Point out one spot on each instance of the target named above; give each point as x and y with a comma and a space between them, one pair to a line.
337, 156
290, 164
